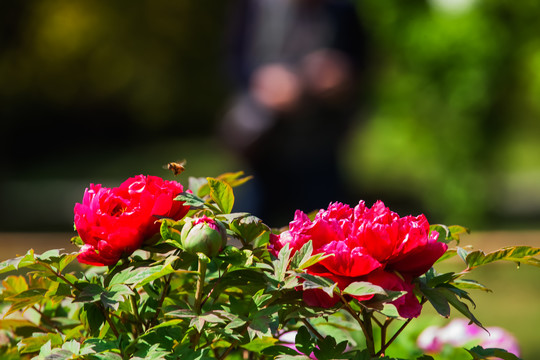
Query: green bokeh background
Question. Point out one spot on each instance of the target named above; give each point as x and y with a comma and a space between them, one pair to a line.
97, 91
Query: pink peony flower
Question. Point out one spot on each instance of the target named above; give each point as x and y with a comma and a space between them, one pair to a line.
459, 333
114, 222
368, 244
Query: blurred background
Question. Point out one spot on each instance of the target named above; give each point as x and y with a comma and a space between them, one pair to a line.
431, 106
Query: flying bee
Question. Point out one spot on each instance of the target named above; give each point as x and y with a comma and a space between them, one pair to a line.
177, 167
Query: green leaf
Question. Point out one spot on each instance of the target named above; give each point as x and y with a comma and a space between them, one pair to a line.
117, 293
170, 230
95, 345
470, 284
459, 305
281, 263
65, 260
18, 262
259, 344
462, 254
34, 343
441, 279
234, 178
92, 318
25, 299
449, 233
106, 356
248, 227
72, 346
222, 194
479, 353
518, 254
190, 200
328, 349
304, 342
361, 288
437, 300
140, 276
318, 282
89, 293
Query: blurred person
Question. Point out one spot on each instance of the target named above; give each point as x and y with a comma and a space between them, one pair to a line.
296, 66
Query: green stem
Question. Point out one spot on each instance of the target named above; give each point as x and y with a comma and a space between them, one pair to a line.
367, 316
367, 332
164, 293
384, 328
402, 327
312, 329
199, 292
200, 285
135, 309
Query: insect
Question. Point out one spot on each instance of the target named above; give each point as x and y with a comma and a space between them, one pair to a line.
177, 167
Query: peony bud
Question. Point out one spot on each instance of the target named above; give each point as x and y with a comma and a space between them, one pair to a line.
203, 235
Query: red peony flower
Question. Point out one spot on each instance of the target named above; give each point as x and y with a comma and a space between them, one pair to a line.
114, 222
369, 244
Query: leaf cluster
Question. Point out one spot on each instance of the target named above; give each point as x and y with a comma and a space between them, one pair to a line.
166, 303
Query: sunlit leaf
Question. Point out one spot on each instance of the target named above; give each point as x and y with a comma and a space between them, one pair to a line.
34, 343
469, 284
518, 254
248, 227
361, 288
18, 262
235, 178
222, 194
259, 344
190, 200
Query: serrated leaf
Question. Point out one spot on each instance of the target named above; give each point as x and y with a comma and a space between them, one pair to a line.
222, 194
